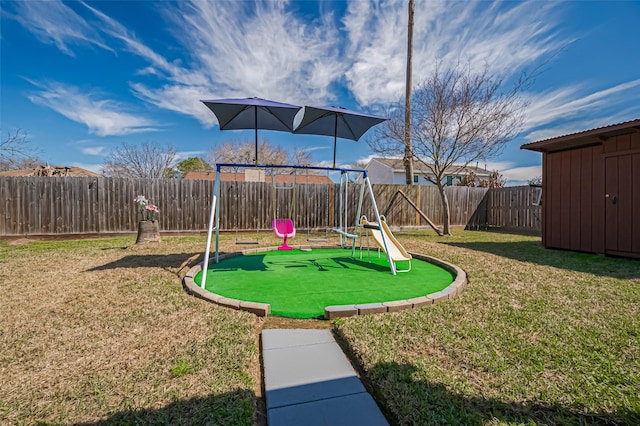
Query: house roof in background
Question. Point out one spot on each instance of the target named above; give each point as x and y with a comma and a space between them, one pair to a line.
585, 138
239, 177
52, 171
397, 165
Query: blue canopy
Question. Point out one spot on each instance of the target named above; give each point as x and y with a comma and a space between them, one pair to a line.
253, 113
337, 122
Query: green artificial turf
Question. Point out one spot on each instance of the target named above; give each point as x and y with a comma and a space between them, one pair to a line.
300, 284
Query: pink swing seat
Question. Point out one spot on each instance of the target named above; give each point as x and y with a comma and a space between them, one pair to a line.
283, 228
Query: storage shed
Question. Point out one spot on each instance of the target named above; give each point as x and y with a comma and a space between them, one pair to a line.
591, 190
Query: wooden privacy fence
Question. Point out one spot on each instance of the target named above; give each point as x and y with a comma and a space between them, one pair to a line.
89, 205
512, 209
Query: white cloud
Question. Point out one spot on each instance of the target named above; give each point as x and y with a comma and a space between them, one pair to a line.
587, 110
56, 23
314, 148
365, 160
505, 37
324, 163
515, 175
495, 165
182, 99
102, 117
183, 155
230, 56
118, 31
224, 53
96, 168
96, 150
521, 175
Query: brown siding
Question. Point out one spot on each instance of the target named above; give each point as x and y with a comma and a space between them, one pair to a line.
565, 199
597, 205
553, 187
622, 165
545, 199
635, 216
575, 184
586, 199
611, 211
635, 141
573, 205
624, 202
576, 177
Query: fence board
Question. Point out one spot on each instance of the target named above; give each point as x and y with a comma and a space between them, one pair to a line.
64, 205
511, 209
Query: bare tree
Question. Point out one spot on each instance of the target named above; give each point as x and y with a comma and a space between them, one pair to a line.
300, 157
459, 117
147, 160
470, 179
359, 165
15, 152
535, 181
243, 153
495, 180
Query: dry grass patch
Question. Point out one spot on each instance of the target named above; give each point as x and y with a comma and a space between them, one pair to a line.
101, 331
539, 337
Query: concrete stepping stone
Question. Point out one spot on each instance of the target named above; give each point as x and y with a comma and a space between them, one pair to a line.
308, 380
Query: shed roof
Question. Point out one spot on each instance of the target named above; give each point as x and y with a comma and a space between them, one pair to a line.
585, 138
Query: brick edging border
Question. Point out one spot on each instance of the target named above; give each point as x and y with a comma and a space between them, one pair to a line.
330, 312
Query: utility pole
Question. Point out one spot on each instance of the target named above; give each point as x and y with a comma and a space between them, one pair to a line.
408, 150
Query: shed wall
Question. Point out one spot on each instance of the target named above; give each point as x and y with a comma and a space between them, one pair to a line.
622, 195
579, 209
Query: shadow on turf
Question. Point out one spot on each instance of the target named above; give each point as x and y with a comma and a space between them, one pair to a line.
532, 251
431, 403
224, 409
168, 261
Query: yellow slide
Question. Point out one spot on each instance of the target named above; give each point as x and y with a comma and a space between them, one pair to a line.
396, 251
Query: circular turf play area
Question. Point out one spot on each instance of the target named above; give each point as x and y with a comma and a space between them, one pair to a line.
301, 283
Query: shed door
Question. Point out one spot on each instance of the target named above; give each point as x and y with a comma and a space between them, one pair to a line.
622, 204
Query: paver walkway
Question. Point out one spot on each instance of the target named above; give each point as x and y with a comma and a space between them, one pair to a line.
309, 381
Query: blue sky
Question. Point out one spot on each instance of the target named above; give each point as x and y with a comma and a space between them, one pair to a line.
84, 77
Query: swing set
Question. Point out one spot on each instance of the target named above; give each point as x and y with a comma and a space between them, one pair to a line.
283, 227
348, 222
236, 213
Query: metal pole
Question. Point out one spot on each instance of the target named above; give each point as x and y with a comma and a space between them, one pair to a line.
359, 210
216, 190
212, 216
289, 166
256, 122
346, 201
384, 240
340, 211
357, 222
335, 136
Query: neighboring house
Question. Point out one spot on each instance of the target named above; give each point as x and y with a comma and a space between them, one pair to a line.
52, 171
591, 190
250, 175
391, 170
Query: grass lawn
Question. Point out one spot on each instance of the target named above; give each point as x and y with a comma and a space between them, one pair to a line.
101, 332
539, 337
